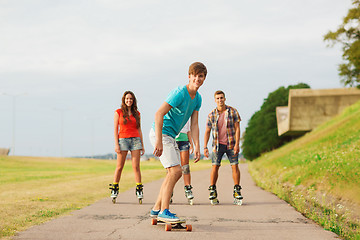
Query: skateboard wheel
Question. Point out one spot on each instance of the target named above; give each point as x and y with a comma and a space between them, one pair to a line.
153, 221
168, 227
188, 228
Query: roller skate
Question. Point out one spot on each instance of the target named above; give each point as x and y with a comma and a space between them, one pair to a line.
213, 195
188, 194
237, 195
114, 187
139, 192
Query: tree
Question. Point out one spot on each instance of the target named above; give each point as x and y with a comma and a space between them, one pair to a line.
348, 34
261, 134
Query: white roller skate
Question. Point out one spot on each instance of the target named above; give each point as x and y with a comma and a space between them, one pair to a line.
139, 192
213, 195
114, 191
189, 194
237, 195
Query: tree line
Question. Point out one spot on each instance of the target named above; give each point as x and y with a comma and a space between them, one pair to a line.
261, 134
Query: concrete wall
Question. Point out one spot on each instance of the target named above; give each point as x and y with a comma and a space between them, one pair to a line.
282, 116
308, 108
4, 151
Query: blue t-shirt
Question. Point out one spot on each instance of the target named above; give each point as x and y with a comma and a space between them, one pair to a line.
182, 108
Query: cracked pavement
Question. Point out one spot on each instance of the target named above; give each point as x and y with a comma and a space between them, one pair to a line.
262, 215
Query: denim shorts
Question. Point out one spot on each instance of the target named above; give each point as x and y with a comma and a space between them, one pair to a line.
183, 145
217, 156
130, 144
170, 156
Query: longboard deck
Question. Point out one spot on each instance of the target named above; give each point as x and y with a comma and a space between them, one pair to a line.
163, 221
172, 225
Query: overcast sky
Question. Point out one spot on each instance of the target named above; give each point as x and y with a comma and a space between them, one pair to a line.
67, 63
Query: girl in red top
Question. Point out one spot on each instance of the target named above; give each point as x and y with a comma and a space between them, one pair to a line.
128, 137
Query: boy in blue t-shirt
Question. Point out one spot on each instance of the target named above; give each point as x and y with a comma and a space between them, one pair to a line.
181, 104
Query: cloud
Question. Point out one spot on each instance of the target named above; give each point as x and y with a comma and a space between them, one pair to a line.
82, 55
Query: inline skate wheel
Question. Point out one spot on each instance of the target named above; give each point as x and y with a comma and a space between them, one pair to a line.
214, 201
238, 202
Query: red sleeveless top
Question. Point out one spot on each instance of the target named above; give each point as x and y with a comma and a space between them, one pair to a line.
129, 129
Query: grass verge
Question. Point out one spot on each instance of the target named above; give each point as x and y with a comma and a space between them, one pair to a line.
319, 174
37, 189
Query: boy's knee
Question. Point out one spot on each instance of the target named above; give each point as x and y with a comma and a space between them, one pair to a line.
235, 167
185, 169
176, 171
216, 167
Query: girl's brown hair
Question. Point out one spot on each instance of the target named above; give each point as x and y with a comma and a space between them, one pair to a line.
133, 108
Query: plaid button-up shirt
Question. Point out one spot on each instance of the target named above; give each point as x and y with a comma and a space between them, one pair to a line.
231, 117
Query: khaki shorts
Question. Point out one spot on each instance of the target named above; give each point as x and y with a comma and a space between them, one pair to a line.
171, 153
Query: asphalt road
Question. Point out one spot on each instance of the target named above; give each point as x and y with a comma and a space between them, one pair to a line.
262, 215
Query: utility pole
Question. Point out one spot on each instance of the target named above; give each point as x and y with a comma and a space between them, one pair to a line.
61, 129
14, 96
91, 119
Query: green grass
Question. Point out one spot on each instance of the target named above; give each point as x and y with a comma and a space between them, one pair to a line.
319, 174
34, 190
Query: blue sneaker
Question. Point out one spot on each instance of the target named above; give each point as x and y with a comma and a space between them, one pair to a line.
154, 213
167, 216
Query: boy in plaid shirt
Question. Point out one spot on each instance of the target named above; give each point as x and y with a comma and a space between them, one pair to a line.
224, 121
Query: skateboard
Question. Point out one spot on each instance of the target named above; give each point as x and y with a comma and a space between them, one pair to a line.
172, 225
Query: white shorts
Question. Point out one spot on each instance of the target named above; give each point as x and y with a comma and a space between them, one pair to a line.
171, 153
